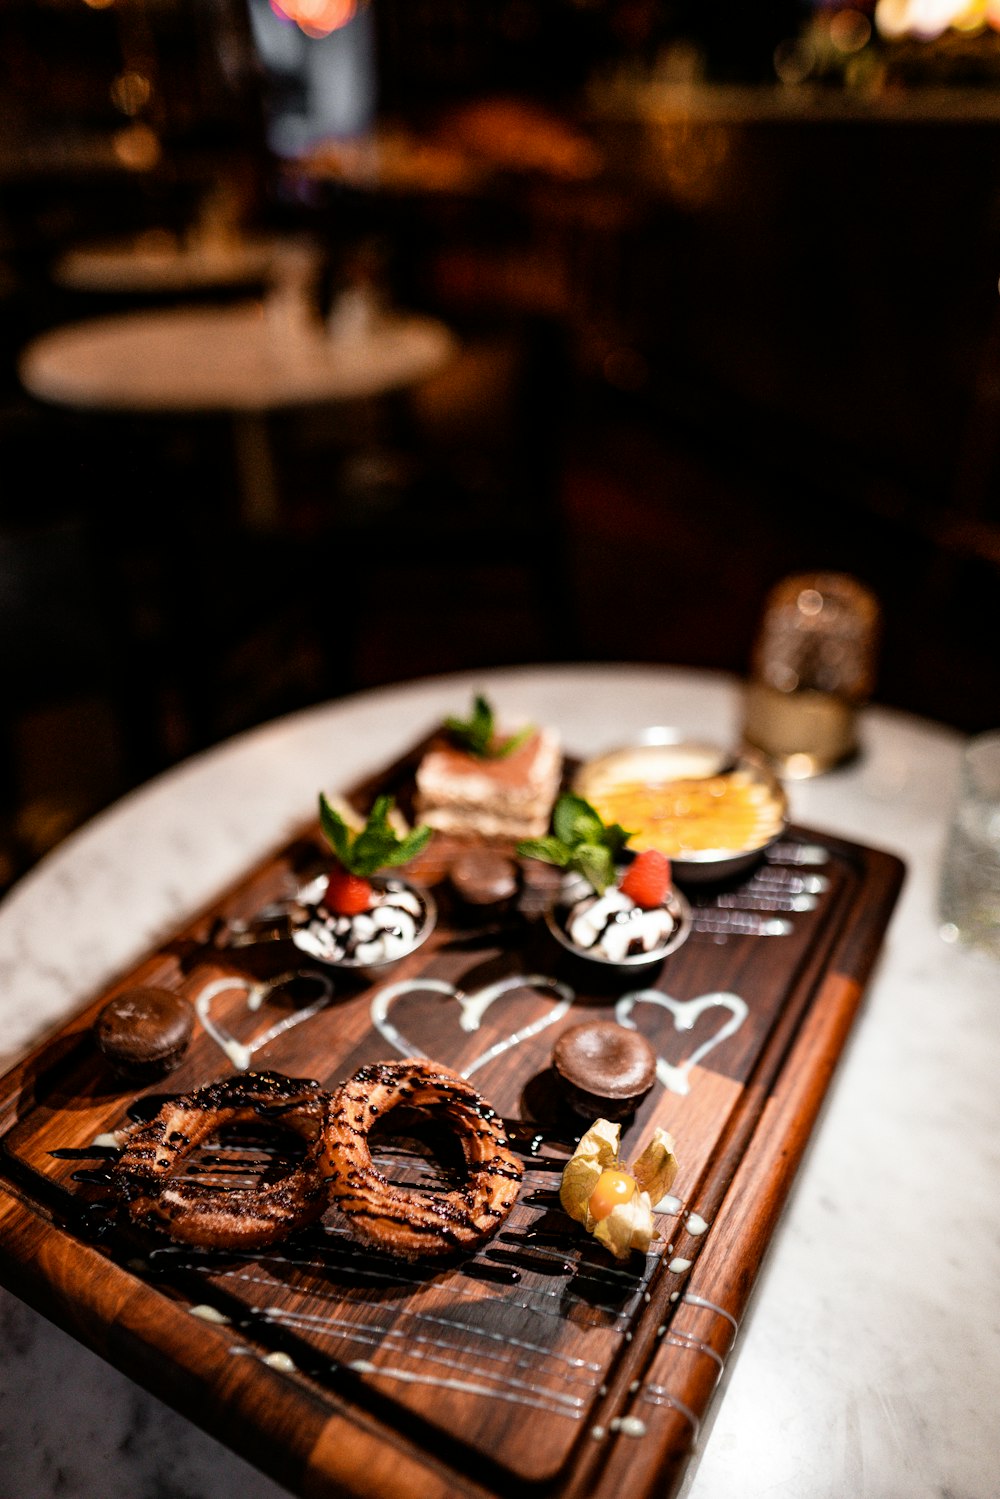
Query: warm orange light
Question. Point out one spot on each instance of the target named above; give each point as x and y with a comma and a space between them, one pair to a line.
317, 18
137, 147
131, 92
850, 30
929, 19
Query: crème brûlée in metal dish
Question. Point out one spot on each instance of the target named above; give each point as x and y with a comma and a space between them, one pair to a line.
710, 812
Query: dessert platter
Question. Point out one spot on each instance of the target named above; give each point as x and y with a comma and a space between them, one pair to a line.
475, 1105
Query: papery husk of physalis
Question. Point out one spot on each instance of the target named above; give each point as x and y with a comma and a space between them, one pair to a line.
629, 1225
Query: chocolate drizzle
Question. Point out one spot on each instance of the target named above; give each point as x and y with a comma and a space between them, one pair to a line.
227, 1217
417, 1223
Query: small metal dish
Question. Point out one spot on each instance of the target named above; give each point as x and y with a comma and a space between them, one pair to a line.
661, 758
676, 905
309, 930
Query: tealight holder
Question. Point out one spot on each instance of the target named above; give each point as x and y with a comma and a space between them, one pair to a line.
812, 668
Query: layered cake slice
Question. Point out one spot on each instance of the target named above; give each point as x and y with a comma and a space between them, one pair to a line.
474, 781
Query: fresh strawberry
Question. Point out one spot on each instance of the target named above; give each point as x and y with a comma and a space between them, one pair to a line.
647, 879
346, 894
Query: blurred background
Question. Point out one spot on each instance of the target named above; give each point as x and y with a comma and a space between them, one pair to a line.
721, 282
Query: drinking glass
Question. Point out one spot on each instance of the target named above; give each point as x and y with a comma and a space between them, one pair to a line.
969, 894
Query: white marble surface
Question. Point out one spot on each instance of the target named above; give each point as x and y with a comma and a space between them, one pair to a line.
870, 1363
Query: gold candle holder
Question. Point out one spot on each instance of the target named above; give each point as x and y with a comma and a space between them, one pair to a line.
812, 668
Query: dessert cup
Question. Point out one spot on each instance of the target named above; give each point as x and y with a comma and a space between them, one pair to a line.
557, 915
320, 934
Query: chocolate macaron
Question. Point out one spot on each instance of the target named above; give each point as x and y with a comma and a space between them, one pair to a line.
144, 1032
484, 877
605, 1070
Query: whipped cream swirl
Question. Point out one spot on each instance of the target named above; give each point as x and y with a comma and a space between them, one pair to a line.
389, 929
612, 926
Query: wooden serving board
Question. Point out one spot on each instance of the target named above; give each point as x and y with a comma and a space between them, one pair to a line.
538, 1361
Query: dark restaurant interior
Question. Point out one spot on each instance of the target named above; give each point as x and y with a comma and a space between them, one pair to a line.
721, 280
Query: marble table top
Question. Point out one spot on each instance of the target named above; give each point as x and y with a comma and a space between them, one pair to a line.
869, 1363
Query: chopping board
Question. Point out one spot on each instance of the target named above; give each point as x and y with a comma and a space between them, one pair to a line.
538, 1361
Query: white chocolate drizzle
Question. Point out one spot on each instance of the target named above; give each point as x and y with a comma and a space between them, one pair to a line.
472, 1008
657, 1394
552, 1402
692, 1300
696, 1345
280, 1361
629, 1426
377, 1334
242, 1053
798, 853
209, 1314
686, 1012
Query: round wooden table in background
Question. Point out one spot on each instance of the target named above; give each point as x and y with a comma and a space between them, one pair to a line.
154, 262
245, 360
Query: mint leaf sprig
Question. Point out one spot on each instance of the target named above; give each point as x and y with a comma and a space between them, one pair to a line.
477, 733
377, 845
580, 840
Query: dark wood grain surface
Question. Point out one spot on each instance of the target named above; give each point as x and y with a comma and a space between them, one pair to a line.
538, 1360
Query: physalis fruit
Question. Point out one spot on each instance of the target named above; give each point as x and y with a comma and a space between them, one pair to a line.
613, 1203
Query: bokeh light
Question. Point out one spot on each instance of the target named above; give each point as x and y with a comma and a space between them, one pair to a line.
794, 60
131, 92
137, 147
691, 156
317, 18
930, 19
850, 30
